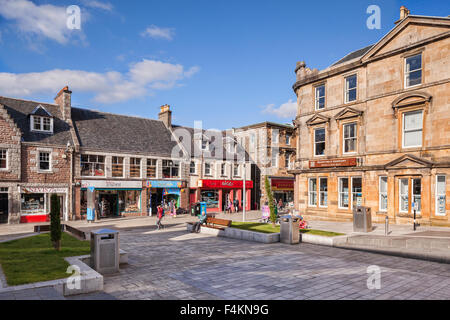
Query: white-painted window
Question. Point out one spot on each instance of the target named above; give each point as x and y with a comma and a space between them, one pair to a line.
413, 70
323, 192
192, 168
383, 195
312, 192
356, 191
151, 168
412, 129
320, 97
440, 195
350, 88
44, 161
117, 167
403, 195
92, 165
3, 159
222, 169
135, 167
236, 170
349, 137
42, 124
343, 193
207, 168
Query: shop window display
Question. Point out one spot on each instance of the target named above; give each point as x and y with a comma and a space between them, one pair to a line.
129, 201
211, 197
33, 203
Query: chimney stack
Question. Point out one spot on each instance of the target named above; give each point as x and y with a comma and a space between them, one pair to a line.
63, 99
404, 12
166, 115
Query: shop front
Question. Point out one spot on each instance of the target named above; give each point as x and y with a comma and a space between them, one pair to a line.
217, 193
283, 189
162, 192
113, 198
35, 203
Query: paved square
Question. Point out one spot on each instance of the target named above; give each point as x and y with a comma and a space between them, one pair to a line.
174, 264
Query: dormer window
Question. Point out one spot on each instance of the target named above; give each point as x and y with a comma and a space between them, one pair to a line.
43, 124
41, 120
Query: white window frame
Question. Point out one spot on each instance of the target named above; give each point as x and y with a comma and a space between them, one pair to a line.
355, 137
209, 173
50, 168
437, 213
347, 89
140, 167
194, 167
406, 73
341, 192
351, 189
317, 98
7, 159
147, 166
420, 195
324, 141
123, 166
41, 124
400, 195
236, 166
312, 192
320, 192
96, 155
223, 169
411, 130
380, 193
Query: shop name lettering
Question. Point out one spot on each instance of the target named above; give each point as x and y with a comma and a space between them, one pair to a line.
112, 184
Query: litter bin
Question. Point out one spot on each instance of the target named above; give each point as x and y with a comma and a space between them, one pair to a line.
105, 250
362, 219
289, 229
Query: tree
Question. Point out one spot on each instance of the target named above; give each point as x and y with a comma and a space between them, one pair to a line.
55, 222
273, 214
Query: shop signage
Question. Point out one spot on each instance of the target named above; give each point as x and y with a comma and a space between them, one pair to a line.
43, 190
282, 184
164, 184
347, 162
110, 184
171, 191
225, 184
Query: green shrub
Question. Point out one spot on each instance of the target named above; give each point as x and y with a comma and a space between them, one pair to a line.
55, 222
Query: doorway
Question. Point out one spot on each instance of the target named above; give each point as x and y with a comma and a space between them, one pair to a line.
108, 205
3, 208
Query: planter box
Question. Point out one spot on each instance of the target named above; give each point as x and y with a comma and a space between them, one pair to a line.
240, 234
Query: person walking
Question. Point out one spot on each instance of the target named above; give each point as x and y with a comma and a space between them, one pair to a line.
236, 205
160, 215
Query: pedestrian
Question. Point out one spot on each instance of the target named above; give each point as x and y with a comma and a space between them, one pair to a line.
201, 220
236, 205
160, 215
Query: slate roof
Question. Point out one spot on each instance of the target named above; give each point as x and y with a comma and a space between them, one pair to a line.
353, 55
19, 111
114, 132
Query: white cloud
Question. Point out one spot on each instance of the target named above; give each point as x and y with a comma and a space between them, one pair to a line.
110, 87
107, 6
42, 20
159, 33
284, 111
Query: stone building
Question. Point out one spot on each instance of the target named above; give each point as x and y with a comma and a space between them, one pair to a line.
375, 128
218, 167
271, 148
35, 159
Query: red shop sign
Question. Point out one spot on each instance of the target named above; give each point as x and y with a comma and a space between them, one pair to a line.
282, 184
224, 184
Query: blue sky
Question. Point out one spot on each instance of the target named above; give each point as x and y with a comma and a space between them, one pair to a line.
228, 63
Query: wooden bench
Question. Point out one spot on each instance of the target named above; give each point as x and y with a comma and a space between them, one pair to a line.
217, 223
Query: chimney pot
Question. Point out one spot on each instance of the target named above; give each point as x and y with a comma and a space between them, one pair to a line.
166, 115
404, 12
